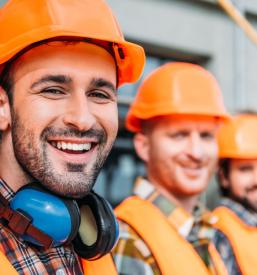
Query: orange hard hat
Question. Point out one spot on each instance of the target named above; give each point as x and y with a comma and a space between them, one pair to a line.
24, 22
237, 138
176, 88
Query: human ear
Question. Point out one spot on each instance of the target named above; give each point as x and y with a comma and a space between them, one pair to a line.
141, 143
5, 117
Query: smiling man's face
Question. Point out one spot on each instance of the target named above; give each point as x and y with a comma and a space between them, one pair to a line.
64, 116
180, 153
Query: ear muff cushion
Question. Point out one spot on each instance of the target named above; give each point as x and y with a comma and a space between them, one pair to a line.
71, 206
73, 209
107, 228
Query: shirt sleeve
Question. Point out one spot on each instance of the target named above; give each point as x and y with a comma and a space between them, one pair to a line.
131, 254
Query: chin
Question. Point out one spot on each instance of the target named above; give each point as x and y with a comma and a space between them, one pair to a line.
193, 188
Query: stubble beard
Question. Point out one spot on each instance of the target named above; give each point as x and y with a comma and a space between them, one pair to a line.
245, 201
76, 181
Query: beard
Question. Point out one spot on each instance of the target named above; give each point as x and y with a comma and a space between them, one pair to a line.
32, 155
245, 200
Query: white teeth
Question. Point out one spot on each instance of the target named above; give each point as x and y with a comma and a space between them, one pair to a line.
87, 146
75, 147
69, 146
64, 145
61, 145
80, 147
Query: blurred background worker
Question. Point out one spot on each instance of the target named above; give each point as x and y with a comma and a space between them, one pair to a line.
175, 117
238, 180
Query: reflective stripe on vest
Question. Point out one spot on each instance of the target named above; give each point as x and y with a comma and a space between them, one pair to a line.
173, 254
242, 237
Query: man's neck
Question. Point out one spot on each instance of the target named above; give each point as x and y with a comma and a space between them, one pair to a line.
186, 202
10, 171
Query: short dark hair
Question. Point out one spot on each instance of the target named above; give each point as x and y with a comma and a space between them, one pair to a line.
6, 81
224, 168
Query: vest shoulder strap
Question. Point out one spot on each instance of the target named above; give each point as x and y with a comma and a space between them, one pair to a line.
242, 237
173, 254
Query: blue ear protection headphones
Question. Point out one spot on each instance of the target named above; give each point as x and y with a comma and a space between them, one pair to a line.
47, 220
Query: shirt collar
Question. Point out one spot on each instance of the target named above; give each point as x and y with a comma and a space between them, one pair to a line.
147, 191
249, 217
6, 190
177, 216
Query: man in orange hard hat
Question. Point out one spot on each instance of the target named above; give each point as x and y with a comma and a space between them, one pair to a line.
61, 62
238, 208
175, 117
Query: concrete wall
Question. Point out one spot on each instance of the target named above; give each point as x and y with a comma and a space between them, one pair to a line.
200, 30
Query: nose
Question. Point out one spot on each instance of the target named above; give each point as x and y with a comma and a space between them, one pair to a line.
195, 146
78, 113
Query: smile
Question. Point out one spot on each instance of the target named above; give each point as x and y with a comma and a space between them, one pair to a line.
72, 147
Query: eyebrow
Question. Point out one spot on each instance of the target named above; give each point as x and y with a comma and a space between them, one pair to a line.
61, 79
64, 79
101, 83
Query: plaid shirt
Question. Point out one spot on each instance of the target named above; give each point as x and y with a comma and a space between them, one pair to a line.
31, 260
222, 243
132, 255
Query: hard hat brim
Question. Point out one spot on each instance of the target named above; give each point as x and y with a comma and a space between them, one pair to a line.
130, 67
133, 120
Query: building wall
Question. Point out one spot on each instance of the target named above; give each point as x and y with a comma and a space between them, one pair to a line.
201, 30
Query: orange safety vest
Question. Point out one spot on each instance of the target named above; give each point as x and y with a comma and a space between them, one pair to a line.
173, 254
242, 237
